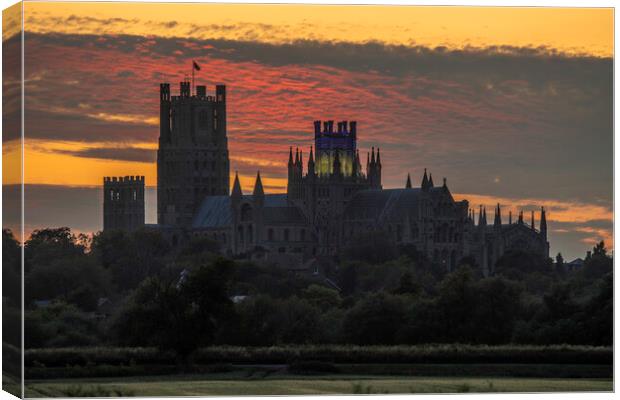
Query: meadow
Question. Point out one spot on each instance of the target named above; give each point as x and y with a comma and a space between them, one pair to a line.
198, 385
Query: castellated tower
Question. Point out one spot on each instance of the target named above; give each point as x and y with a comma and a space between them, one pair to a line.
192, 159
123, 203
334, 175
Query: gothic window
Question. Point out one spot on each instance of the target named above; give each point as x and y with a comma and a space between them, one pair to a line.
118, 195
111, 194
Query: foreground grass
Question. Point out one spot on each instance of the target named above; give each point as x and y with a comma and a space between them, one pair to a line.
282, 385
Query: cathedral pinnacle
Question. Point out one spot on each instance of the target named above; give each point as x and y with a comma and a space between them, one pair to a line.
236, 192
408, 184
258, 186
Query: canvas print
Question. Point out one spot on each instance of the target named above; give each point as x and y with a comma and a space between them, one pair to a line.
205, 199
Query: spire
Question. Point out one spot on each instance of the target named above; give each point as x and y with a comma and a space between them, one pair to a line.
430, 180
543, 223
510, 217
378, 157
372, 157
311, 158
473, 215
484, 216
290, 157
498, 216
258, 186
408, 184
520, 221
480, 216
236, 192
445, 183
532, 224
296, 155
311, 170
424, 181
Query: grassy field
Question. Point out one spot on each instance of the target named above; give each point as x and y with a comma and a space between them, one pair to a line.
177, 385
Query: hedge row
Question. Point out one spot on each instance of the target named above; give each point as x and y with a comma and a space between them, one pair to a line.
449, 353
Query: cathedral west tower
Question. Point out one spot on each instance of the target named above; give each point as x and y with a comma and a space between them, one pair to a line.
192, 159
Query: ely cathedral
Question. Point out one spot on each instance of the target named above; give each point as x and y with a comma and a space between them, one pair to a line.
332, 198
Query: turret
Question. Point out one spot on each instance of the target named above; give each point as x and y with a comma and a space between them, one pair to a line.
164, 112
259, 194
311, 171
290, 165
236, 191
482, 217
543, 223
430, 181
424, 184
408, 184
378, 169
497, 223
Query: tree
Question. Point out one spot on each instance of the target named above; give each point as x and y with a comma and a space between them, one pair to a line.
47, 245
11, 270
322, 297
497, 306
407, 286
131, 257
375, 319
176, 315
456, 301
599, 249
64, 278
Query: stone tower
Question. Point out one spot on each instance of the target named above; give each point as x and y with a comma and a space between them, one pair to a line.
123, 203
192, 159
333, 177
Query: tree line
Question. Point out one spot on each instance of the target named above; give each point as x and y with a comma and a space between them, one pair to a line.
134, 289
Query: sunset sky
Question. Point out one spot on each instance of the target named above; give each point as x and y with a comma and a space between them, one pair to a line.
511, 105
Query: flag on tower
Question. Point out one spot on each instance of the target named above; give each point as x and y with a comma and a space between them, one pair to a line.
196, 66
